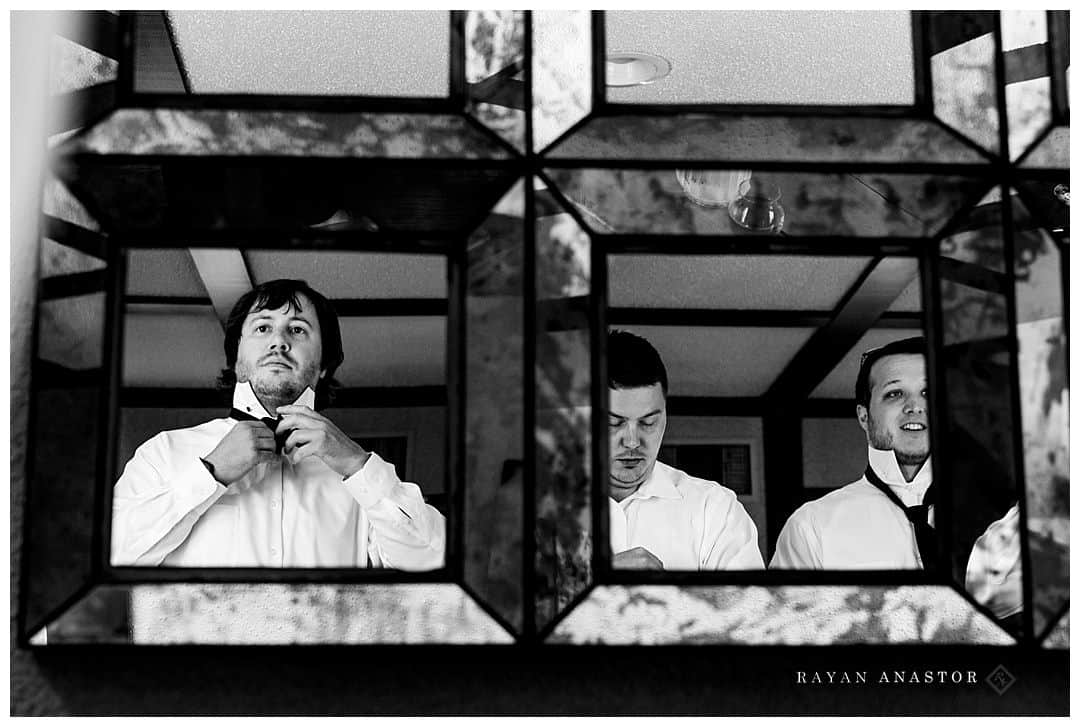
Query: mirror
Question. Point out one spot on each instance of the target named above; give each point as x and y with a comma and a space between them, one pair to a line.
296, 52
762, 57
265, 512
740, 336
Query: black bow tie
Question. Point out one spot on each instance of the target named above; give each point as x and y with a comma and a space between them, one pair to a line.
270, 422
918, 515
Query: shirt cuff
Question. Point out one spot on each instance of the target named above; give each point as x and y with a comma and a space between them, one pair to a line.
374, 481
203, 485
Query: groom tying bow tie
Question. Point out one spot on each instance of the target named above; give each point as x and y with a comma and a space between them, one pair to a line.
275, 483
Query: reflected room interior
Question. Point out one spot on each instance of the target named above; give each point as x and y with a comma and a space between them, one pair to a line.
392, 313
734, 332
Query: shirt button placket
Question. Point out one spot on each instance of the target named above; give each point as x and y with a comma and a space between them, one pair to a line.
277, 551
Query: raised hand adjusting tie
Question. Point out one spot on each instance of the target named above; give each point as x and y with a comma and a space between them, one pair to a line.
270, 422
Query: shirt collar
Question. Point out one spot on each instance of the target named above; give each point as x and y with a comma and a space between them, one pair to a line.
660, 484
883, 462
244, 399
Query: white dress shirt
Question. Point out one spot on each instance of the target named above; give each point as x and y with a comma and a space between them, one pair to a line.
857, 527
169, 510
993, 569
686, 522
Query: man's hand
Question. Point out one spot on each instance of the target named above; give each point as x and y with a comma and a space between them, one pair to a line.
246, 445
637, 559
314, 435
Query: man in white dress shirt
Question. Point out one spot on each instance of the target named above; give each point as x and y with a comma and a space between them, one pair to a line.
662, 518
884, 520
275, 483
877, 521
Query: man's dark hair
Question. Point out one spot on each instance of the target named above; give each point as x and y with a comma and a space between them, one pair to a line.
916, 344
271, 296
632, 362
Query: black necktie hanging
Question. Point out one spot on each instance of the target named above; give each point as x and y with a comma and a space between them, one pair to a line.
917, 515
270, 422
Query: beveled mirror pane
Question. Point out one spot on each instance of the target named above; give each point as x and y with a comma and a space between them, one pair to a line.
1052, 152
563, 475
1048, 200
756, 138
181, 196
321, 53
392, 314
276, 613
976, 236
783, 615
67, 422
980, 462
668, 201
1058, 638
962, 52
73, 66
58, 201
494, 71
1044, 404
562, 72
1027, 76
318, 134
495, 396
731, 56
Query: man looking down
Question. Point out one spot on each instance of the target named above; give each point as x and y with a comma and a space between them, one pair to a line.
663, 518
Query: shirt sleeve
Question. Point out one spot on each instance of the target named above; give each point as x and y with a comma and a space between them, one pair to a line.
799, 545
156, 503
405, 532
730, 540
993, 569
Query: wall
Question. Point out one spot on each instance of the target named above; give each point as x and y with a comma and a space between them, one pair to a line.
833, 450
736, 430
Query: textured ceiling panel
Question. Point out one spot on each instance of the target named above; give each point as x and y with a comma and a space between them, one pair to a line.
355, 274
773, 57
722, 361
910, 301
840, 384
163, 272
376, 53
731, 281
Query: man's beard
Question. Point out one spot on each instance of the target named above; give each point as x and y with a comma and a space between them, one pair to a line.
881, 438
274, 391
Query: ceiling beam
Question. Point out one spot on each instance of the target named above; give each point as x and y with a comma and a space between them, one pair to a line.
225, 276
744, 318
884, 279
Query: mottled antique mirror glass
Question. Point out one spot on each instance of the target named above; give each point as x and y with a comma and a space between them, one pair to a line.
698, 153
484, 195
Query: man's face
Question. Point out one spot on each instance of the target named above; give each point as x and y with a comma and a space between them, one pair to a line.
280, 351
897, 418
636, 420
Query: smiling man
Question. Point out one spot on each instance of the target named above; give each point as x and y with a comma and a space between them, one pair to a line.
274, 483
884, 519
663, 518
